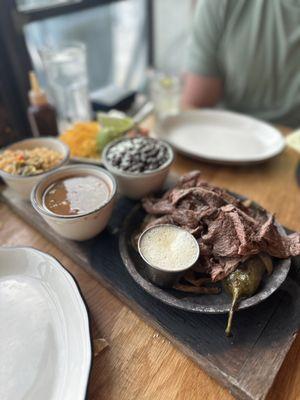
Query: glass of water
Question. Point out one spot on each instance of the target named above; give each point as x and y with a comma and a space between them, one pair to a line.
165, 91
67, 81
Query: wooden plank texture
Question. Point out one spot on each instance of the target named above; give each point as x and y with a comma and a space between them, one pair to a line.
246, 364
140, 363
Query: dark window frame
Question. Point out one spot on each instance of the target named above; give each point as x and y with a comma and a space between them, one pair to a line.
15, 61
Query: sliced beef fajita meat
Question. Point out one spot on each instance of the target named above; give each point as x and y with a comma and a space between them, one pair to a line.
224, 266
191, 179
155, 207
197, 195
276, 244
232, 233
227, 230
218, 267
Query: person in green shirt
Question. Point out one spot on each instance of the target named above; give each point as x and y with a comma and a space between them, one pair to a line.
245, 55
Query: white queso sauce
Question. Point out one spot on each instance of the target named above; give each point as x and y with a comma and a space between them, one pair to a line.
169, 247
76, 195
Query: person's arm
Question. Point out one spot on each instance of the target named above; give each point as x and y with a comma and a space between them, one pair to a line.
201, 91
203, 83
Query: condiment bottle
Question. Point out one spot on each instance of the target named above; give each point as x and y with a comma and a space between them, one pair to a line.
41, 114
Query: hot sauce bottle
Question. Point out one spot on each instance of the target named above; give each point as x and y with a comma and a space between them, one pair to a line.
41, 114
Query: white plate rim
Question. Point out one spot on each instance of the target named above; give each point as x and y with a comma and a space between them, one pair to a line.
159, 132
74, 286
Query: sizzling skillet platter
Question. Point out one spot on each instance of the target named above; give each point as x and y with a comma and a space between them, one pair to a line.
209, 296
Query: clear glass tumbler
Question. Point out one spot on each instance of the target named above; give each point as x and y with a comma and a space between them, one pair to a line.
67, 81
165, 92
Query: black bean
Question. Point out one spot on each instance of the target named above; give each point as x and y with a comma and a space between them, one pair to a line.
138, 155
147, 148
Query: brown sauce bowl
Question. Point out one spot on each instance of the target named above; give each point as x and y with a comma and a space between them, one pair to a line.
76, 227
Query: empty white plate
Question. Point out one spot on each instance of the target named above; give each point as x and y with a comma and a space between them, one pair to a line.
221, 136
45, 342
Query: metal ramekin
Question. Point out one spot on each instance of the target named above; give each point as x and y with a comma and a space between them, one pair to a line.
159, 276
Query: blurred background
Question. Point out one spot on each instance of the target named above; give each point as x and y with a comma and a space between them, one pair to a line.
124, 40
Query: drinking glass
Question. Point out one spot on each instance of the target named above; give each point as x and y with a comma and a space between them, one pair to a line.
67, 81
165, 91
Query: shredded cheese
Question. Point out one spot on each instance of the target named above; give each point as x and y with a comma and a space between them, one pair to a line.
81, 139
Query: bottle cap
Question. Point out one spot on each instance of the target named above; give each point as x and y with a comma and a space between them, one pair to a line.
37, 95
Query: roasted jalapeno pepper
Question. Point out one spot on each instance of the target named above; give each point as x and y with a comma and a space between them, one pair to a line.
243, 282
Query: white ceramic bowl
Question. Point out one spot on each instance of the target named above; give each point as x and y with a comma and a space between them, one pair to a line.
138, 185
24, 184
75, 227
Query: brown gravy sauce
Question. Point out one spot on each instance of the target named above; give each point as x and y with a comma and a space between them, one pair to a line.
76, 195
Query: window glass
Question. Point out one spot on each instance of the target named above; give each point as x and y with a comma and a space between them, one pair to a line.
30, 5
115, 37
171, 31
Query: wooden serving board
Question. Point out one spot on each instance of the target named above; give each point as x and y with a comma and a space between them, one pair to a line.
246, 364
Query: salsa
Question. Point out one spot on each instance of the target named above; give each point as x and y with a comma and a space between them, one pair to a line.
76, 195
29, 162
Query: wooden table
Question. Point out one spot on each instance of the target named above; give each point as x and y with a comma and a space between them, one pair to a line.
140, 363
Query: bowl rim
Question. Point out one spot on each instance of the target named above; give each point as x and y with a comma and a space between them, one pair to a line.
171, 272
45, 212
144, 174
47, 138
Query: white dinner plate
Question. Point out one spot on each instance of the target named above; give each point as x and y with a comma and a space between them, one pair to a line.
221, 136
45, 343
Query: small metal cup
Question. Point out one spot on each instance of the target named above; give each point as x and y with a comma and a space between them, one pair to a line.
159, 276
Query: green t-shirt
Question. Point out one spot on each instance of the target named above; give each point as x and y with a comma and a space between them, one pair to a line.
254, 47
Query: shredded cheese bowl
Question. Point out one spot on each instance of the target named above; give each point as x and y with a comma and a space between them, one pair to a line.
82, 139
24, 163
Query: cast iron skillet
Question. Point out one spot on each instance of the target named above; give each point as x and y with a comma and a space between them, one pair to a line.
202, 303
